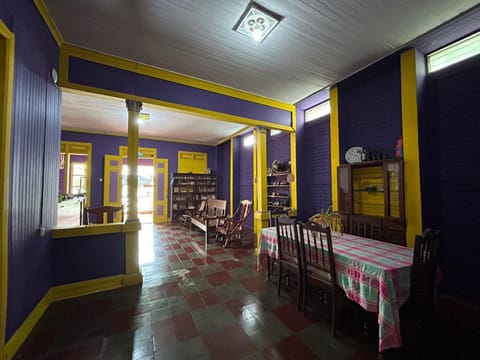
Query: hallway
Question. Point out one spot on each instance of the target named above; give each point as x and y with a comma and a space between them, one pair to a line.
193, 306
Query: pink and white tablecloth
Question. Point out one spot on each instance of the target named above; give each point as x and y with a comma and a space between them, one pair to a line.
372, 273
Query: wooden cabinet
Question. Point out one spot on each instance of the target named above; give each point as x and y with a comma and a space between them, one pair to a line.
278, 192
188, 190
375, 190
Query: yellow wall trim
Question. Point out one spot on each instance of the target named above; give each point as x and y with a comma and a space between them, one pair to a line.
54, 294
411, 155
214, 115
95, 229
334, 144
40, 4
7, 51
293, 166
129, 65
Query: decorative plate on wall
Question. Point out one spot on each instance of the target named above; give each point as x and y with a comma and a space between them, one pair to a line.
354, 155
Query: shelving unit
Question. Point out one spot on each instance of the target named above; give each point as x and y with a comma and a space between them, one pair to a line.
188, 190
278, 188
374, 189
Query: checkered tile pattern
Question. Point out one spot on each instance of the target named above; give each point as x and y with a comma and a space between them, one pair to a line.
193, 305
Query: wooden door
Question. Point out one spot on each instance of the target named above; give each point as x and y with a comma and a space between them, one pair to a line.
112, 183
160, 214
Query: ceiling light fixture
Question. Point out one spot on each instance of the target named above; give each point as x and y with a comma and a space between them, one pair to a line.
257, 22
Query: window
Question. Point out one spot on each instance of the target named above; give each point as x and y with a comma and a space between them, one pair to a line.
248, 141
318, 111
78, 183
274, 132
454, 53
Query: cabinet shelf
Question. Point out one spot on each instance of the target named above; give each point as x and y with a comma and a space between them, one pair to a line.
374, 190
279, 197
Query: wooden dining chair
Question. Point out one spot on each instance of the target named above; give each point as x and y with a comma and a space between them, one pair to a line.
424, 268
96, 215
318, 263
365, 226
289, 259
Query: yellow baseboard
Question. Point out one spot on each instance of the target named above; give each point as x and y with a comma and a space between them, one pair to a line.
62, 292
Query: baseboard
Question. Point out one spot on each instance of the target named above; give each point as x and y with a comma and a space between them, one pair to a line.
17, 339
62, 292
132, 279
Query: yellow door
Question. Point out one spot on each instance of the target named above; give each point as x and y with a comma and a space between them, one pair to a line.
160, 214
112, 183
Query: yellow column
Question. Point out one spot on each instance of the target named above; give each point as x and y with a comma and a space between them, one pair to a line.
334, 144
411, 156
260, 181
132, 269
293, 166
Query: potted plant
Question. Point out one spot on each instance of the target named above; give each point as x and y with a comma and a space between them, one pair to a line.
327, 217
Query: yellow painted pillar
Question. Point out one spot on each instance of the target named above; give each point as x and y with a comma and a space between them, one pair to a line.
334, 144
260, 181
293, 167
411, 153
132, 269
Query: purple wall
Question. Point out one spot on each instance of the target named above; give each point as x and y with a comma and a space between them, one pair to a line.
84, 258
106, 77
223, 171
243, 174
369, 107
450, 177
278, 148
35, 145
106, 144
313, 159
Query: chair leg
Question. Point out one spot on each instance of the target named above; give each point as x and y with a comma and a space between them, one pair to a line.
304, 296
299, 290
333, 314
279, 277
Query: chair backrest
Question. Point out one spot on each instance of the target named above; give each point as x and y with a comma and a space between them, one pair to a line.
216, 209
242, 212
95, 215
425, 261
364, 226
287, 239
317, 250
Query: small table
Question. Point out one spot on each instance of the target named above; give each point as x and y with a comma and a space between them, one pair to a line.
374, 274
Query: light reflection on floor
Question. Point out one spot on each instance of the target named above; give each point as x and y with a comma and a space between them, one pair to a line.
145, 244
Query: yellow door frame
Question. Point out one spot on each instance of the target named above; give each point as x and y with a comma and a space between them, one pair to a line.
7, 49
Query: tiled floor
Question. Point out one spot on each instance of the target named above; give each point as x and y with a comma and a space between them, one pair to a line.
194, 305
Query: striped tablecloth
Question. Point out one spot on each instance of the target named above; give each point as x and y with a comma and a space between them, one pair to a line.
372, 273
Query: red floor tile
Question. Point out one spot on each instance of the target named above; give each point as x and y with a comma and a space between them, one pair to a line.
219, 278
289, 348
216, 251
209, 296
183, 257
181, 326
195, 300
203, 261
173, 258
230, 264
254, 284
231, 342
194, 272
188, 249
290, 316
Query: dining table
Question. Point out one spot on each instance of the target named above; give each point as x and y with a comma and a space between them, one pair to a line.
372, 273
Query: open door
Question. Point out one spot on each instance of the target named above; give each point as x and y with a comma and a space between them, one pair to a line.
112, 183
160, 214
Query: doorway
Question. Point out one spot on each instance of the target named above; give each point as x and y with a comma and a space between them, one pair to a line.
145, 189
